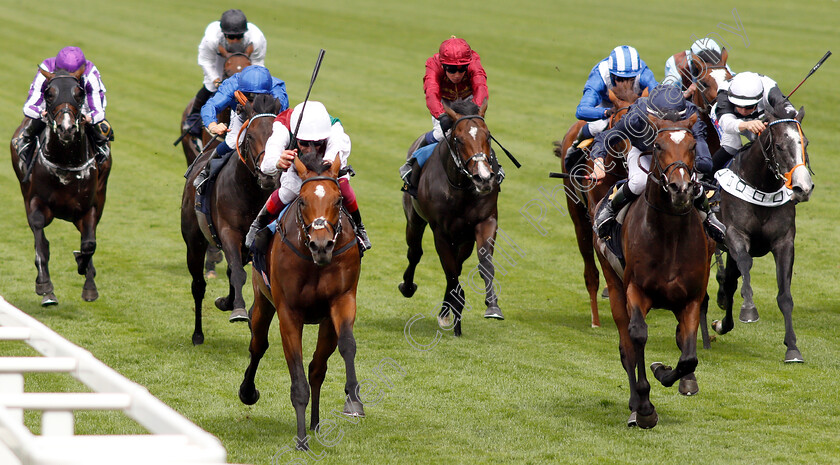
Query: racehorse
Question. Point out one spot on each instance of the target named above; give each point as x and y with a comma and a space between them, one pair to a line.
707, 79
456, 197
665, 267
65, 181
234, 201
237, 57
581, 197
775, 168
313, 265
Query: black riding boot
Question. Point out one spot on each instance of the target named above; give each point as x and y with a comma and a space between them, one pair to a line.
574, 154
258, 236
720, 159
359, 228
714, 228
25, 142
101, 133
606, 215
205, 172
410, 174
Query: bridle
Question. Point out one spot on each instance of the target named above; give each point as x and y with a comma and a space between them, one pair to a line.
57, 109
770, 158
253, 159
664, 172
461, 164
695, 79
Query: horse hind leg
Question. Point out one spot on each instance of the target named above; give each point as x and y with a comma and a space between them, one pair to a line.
784, 271
327, 342
414, 229
686, 337
213, 256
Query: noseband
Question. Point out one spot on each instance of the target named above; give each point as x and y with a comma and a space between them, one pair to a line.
672, 166
64, 107
770, 158
455, 153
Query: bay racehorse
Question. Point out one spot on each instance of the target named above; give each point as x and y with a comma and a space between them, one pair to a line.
703, 83
312, 265
667, 258
456, 197
65, 181
237, 57
582, 196
774, 174
236, 197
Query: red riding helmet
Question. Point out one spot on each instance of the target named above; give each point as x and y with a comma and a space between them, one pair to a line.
455, 51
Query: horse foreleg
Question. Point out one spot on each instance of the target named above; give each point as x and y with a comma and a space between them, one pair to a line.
196, 246
39, 216
485, 239
637, 307
327, 342
453, 298
343, 315
414, 228
749, 314
704, 326
783, 255
261, 316
688, 319
84, 257
291, 330
583, 234
232, 246
726, 292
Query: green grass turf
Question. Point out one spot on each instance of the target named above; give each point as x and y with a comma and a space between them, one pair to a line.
539, 387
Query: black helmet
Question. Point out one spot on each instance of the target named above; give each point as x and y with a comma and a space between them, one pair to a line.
666, 101
234, 22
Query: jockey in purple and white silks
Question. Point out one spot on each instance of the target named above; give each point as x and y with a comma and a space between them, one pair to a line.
595, 106
70, 59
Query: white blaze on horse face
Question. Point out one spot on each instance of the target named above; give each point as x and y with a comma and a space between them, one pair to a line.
473, 132
678, 136
484, 171
320, 192
801, 176
719, 75
66, 121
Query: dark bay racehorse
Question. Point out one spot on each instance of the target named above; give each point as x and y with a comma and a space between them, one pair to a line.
707, 79
667, 266
777, 162
582, 195
456, 197
237, 57
313, 267
65, 181
240, 190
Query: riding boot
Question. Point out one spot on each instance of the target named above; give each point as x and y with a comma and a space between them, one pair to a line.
714, 228
359, 228
606, 216
574, 154
192, 123
259, 235
205, 172
101, 133
407, 173
721, 158
24, 143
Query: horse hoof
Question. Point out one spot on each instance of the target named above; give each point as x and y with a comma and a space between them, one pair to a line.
748, 315
647, 421
223, 305
793, 356
408, 290
249, 399
445, 321
43, 288
354, 409
659, 370
689, 387
494, 313
210, 275
89, 295
240, 314
605, 294
717, 325
198, 339
631, 422
49, 300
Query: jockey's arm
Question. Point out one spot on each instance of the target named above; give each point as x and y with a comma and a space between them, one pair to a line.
34, 106
276, 156
647, 80
207, 54
95, 90
702, 157
258, 40
431, 87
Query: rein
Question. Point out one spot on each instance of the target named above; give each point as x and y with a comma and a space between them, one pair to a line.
664, 174
66, 107
695, 80
244, 127
771, 161
460, 164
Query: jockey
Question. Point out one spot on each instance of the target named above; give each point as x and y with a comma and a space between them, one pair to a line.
232, 31
739, 108
454, 73
679, 68
254, 79
665, 102
70, 59
595, 106
318, 134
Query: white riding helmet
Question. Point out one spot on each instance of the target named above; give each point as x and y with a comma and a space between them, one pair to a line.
746, 89
316, 122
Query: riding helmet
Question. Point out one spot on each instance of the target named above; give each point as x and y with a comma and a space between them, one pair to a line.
624, 62
316, 124
455, 51
746, 89
234, 22
666, 102
70, 58
256, 79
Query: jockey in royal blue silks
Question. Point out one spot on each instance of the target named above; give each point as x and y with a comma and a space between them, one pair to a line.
250, 81
665, 102
595, 106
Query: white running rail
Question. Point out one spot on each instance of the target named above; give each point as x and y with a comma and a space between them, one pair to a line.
172, 440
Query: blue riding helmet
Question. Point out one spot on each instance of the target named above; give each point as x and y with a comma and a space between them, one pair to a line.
624, 62
255, 79
666, 101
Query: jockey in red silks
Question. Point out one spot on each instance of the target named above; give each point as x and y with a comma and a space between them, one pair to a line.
70, 59
454, 73
318, 133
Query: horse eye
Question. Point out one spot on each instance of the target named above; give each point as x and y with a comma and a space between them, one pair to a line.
779, 147
656, 146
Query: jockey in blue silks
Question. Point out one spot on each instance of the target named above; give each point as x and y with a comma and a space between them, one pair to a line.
252, 80
595, 106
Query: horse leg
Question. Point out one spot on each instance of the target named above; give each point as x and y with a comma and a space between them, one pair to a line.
84, 257
343, 316
232, 246
687, 323
453, 298
783, 255
225, 303
261, 316
704, 326
726, 292
415, 226
196, 246
214, 256
291, 330
485, 239
327, 342
749, 314
39, 216
637, 306
583, 234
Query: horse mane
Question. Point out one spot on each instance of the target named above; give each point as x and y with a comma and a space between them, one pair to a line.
464, 107
264, 103
314, 161
625, 92
236, 47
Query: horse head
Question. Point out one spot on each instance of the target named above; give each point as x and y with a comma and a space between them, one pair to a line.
469, 144
319, 209
622, 96
673, 160
237, 57
785, 149
259, 111
707, 79
64, 97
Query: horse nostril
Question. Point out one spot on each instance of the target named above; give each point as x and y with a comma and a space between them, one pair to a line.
312, 246
329, 245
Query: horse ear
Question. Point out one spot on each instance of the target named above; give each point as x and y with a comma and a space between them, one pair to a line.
800, 115
300, 168
724, 54
222, 51
79, 72
46, 73
336, 167
691, 120
249, 50
646, 92
452, 114
483, 109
